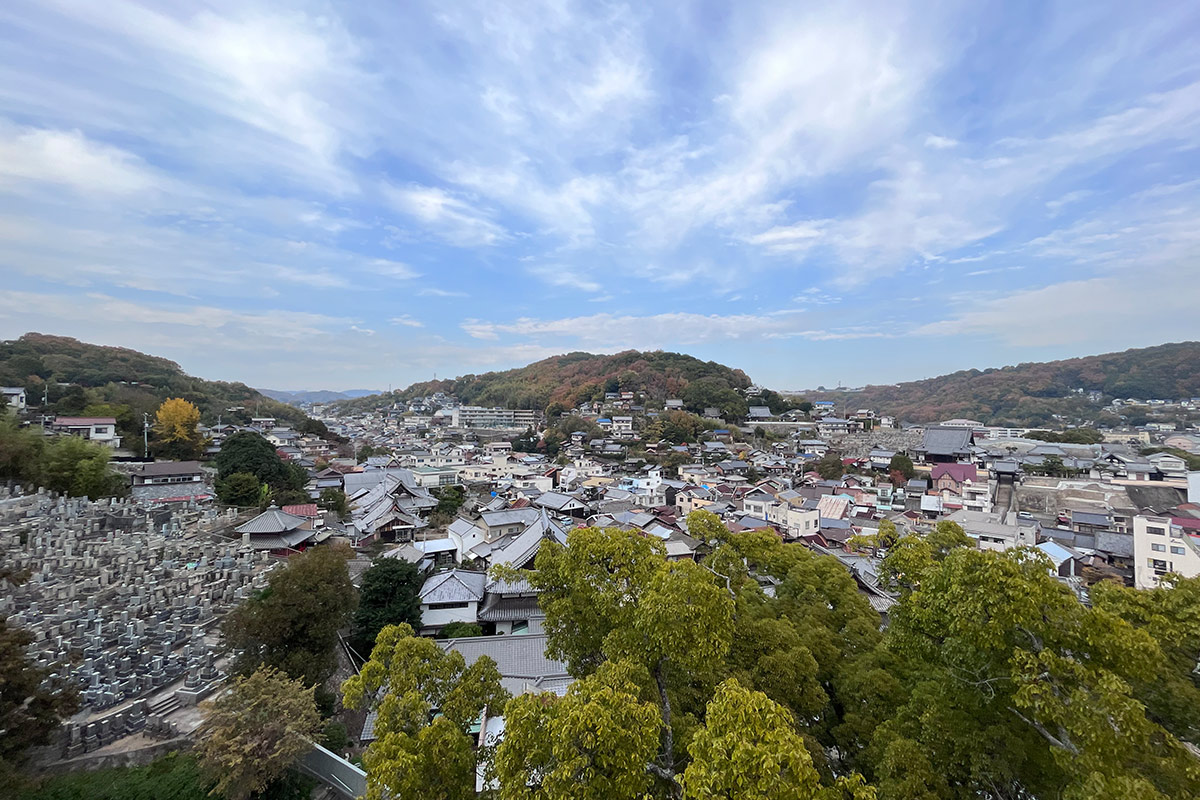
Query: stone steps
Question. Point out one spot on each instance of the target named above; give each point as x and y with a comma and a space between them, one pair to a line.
165, 706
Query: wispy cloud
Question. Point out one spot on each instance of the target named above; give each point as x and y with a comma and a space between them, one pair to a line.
656, 178
407, 321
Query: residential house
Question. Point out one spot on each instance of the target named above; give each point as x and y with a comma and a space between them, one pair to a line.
1068, 562
993, 531
833, 426
451, 596
15, 396
961, 486
560, 503
507, 521
102, 430
169, 481
511, 608
881, 459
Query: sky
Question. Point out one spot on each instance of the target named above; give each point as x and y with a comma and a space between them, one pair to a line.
364, 194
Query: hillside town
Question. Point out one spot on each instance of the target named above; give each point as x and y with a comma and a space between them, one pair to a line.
468, 495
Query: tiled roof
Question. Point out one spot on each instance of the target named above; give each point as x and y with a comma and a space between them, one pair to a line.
946, 441
273, 520
455, 586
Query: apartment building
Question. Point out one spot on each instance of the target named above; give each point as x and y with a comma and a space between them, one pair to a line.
1161, 547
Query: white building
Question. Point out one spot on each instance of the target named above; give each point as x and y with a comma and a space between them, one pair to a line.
1161, 547
95, 429
15, 395
991, 534
479, 417
452, 596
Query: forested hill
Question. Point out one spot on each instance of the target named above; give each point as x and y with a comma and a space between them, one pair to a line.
570, 379
130, 381
1032, 394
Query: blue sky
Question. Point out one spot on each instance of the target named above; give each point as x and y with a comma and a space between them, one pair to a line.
338, 195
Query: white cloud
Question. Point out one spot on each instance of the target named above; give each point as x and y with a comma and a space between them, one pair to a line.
392, 269
1057, 205
447, 216
563, 275
407, 321
68, 158
1096, 312
940, 142
431, 291
611, 332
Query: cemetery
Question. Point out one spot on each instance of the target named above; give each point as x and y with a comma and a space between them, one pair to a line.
124, 600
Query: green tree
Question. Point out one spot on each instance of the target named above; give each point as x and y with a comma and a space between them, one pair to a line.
254, 732
335, 500
902, 465
458, 630
176, 433
748, 749
290, 497
450, 499
239, 489
594, 742
31, 701
389, 594
293, 624
175, 775
73, 466
830, 466
714, 392
411, 756
246, 451
1019, 689
611, 594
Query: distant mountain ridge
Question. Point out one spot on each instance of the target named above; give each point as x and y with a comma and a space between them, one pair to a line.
1044, 393
315, 396
118, 376
568, 380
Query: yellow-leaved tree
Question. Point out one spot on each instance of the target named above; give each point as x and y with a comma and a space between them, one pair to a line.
176, 430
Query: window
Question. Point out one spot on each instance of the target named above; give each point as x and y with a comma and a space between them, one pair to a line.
1158, 548
1177, 550
439, 606
520, 626
1155, 531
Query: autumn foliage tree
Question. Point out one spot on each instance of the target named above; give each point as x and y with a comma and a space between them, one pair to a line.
255, 730
176, 433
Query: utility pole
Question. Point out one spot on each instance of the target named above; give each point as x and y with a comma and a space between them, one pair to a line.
145, 435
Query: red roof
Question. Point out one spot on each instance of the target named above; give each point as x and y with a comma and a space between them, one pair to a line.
1187, 523
958, 472
85, 421
302, 510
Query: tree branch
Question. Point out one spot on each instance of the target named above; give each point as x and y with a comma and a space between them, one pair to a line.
1062, 740
668, 739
